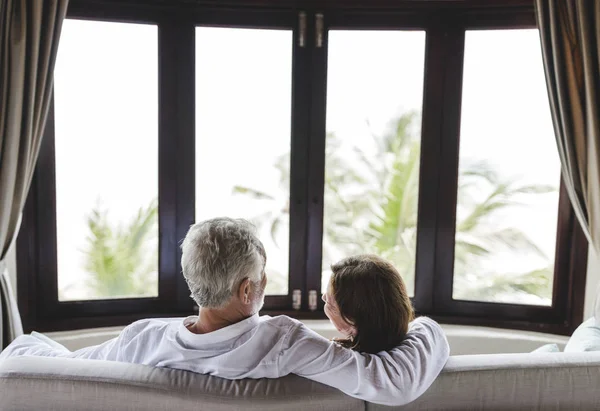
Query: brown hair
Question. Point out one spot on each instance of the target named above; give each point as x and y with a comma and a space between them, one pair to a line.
372, 296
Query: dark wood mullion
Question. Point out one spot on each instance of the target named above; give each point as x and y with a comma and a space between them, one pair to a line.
499, 19
126, 11
301, 63
570, 265
37, 266
177, 102
46, 224
171, 130
454, 42
414, 18
429, 177
380, 20
317, 145
350, 6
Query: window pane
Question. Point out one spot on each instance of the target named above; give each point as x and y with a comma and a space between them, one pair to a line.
243, 112
374, 100
509, 173
106, 103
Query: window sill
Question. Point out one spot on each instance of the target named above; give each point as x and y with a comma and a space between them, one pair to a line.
463, 339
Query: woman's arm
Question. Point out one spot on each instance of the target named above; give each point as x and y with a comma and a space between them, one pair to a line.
396, 377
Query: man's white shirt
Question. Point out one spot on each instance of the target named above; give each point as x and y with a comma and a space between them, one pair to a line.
269, 347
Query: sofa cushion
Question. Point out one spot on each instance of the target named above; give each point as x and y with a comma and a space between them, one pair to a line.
547, 348
585, 338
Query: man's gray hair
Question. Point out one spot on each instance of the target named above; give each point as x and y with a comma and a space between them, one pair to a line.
217, 255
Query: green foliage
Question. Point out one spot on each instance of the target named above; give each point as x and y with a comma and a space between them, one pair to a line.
371, 207
537, 282
122, 261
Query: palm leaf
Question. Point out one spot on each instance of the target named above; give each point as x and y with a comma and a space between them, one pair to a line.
515, 240
115, 256
256, 194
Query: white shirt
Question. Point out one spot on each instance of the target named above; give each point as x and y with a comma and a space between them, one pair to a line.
269, 347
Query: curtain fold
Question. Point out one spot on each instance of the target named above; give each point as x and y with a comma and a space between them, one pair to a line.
570, 37
29, 34
9, 312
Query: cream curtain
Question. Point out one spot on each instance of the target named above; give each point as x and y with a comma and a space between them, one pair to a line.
29, 33
570, 35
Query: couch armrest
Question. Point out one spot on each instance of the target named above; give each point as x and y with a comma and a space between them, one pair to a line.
513, 382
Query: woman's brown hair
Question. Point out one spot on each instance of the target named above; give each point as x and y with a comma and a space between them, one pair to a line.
372, 296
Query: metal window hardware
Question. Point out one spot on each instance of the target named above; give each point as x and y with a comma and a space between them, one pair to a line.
312, 300
319, 30
302, 29
296, 299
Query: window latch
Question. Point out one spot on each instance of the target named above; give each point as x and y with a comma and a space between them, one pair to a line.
319, 30
296, 299
302, 29
312, 300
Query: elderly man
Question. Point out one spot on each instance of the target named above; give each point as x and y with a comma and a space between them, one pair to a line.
224, 265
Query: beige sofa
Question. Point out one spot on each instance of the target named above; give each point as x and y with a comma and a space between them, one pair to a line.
544, 381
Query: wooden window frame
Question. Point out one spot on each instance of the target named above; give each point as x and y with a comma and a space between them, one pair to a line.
445, 23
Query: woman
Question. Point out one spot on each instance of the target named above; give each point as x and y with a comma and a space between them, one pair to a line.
367, 302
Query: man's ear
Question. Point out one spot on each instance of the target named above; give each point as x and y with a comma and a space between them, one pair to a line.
244, 291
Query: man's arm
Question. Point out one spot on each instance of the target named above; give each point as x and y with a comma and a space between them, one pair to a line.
39, 345
396, 377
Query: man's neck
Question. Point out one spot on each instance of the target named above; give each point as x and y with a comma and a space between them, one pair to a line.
213, 319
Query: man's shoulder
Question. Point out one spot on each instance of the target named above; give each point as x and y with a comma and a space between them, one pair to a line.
290, 328
279, 320
282, 323
151, 324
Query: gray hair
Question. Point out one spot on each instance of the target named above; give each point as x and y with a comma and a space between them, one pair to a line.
217, 255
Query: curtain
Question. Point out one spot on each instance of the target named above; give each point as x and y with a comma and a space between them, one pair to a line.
9, 313
29, 33
570, 36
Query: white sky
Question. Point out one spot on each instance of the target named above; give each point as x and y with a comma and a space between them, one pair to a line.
107, 119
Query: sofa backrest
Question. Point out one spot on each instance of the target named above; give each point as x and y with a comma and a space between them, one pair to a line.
36, 383
501, 382
527, 381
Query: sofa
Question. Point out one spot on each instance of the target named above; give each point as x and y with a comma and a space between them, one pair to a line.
544, 381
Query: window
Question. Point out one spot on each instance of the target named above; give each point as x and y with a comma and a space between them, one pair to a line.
106, 204
509, 173
410, 131
374, 101
243, 109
